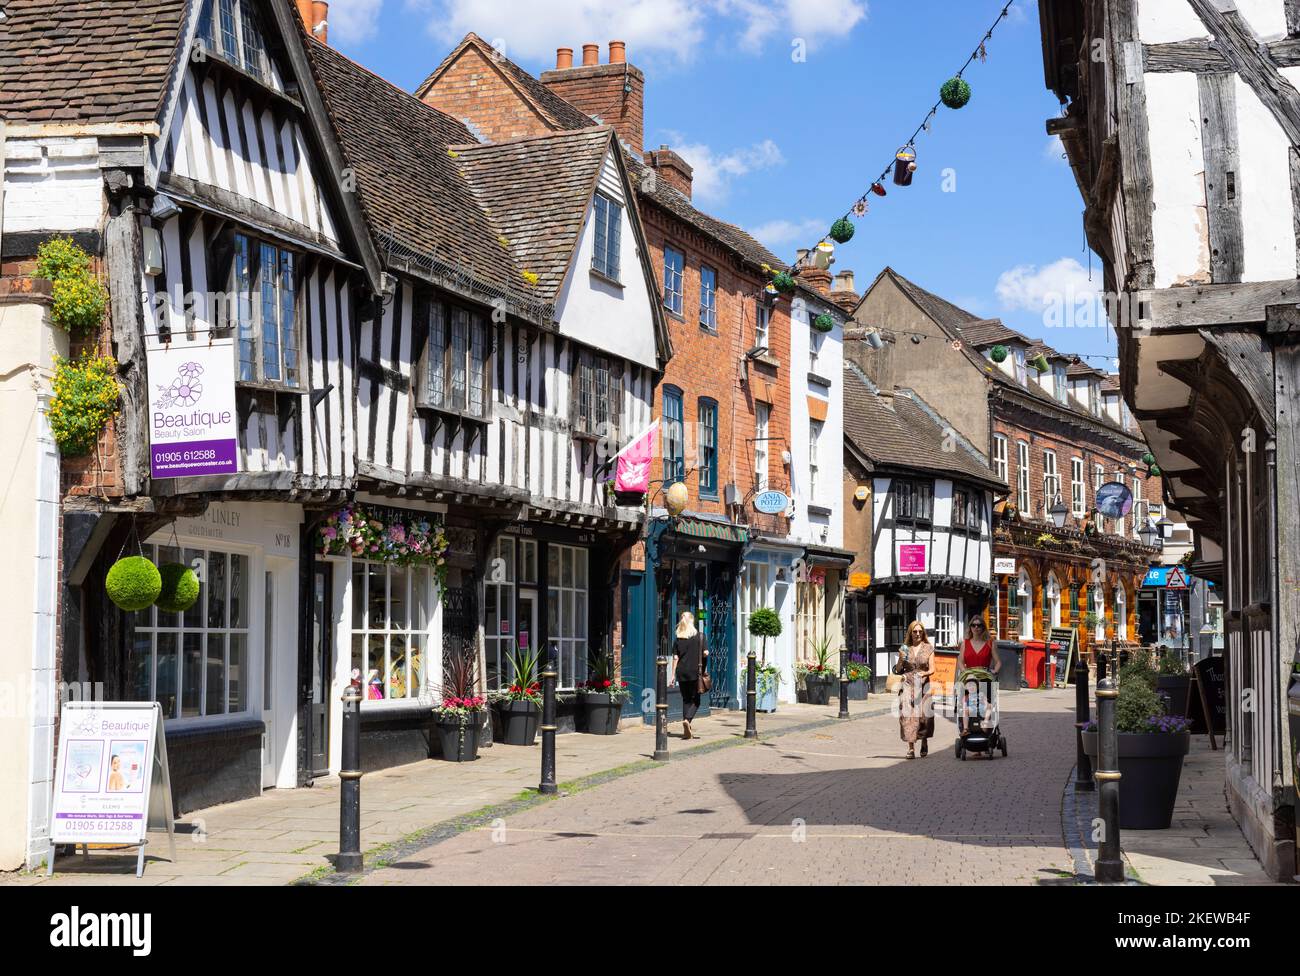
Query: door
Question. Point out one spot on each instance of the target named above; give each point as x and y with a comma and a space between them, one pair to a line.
268, 682
322, 667
526, 628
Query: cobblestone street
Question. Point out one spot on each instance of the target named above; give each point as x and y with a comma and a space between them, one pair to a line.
838, 805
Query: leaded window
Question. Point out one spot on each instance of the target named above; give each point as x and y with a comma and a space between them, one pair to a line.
598, 404
265, 312
456, 362
609, 219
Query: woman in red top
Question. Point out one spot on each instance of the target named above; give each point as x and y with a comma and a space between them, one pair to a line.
977, 651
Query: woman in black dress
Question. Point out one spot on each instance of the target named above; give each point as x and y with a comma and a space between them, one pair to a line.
691, 657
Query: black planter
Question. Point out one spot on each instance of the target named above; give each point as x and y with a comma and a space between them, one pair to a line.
858, 690
517, 722
819, 689
457, 740
1175, 689
600, 713
800, 694
1150, 765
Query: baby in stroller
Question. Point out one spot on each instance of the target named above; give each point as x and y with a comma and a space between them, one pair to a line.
977, 653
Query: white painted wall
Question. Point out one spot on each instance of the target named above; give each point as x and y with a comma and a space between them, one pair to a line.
1178, 223
804, 526
1264, 187
1171, 20
615, 319
53, 184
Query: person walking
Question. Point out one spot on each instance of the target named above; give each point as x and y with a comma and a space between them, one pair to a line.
977, 651
915, 706
692, 659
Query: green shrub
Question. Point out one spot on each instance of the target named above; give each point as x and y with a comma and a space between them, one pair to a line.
764, 622
85, 397
1137, 704
1137, 672
133, 583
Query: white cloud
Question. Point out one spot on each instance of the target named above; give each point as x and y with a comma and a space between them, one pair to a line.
354, 21
714, 171
782, 233
1060, 292
764, 20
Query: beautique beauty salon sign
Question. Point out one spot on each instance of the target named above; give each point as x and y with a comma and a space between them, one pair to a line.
192, 425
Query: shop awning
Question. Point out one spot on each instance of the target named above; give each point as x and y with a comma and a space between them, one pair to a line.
829, 556
698, 528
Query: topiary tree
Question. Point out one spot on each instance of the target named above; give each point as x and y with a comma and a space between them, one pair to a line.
180, 588
133, 583
764, 623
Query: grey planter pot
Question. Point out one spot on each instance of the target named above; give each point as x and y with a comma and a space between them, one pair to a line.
600, 713
1150, 765
458, 741
819, 689
517, 722
858, 690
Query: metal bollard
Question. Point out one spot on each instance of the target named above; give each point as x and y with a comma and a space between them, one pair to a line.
661, 708
751, 697
547, 784
1082, 713
1110, 864
349, 858
844, 683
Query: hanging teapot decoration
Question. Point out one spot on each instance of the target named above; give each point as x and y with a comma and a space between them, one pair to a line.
905, 165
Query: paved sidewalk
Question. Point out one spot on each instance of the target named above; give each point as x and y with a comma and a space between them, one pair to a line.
285, 835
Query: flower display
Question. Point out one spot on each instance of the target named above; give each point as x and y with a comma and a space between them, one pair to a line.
460, 708
406, 538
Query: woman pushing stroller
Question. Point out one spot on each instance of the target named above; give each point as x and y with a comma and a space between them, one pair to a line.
977, 652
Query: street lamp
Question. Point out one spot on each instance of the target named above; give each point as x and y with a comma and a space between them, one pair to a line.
1058, 511
1165, 526
1149, 534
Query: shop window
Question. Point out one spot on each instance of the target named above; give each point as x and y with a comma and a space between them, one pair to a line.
499, 623
566, 611
195, 663
809, 618
945, 623
391, 609
756, 584
898, 614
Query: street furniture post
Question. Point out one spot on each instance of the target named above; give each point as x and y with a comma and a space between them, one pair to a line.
1110, 864
349, 858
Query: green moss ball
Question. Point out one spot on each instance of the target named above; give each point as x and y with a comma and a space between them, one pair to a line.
180, 588
133, 583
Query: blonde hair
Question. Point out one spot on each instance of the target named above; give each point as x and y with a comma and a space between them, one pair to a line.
686, 624
925, 635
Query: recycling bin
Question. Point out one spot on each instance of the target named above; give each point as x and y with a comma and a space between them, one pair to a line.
1035, 663
1011, 654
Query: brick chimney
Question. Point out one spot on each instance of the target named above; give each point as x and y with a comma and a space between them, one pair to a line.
842, 293
819, 279
613, 93
877, 364
314, 14
672, 169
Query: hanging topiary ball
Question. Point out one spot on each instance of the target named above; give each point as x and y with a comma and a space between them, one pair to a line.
1148, 458
180, 588
783, 281
824, 322
998, 354
133, 583
955, 92
1154, 471
842, 231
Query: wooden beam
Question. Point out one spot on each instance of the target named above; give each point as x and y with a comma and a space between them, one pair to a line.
122, 249
1198, 306
1286, 392
1134, 144
1195, 55
1253, 62
1292, 8
1219, 149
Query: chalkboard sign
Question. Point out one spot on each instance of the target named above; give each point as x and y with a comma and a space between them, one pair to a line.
1209, 675
1067, 641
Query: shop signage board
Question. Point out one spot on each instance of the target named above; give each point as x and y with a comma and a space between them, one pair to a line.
111, 784
913, 557
1114, 500
192, 416
860, 580
771, 502
1004, 566
1209, 697
1067, 641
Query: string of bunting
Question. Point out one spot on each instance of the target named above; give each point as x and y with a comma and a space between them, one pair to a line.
954, 93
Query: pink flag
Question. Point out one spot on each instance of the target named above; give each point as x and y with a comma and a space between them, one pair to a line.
633, 472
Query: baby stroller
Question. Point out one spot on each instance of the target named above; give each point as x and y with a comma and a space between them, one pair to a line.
976, 695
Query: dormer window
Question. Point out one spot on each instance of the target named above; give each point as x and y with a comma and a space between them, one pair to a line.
1060, 385
1094, 398
1022, 372
609, 221
230, 29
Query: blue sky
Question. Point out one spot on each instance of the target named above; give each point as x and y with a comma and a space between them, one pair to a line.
784, 146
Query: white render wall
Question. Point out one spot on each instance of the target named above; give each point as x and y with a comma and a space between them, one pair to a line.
829, 493
52, 184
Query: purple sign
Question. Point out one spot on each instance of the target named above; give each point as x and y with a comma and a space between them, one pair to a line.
192, 423
911, 557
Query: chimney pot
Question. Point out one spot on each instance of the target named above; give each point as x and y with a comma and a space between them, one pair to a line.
617, 52
563, 58
844, 281
590, 54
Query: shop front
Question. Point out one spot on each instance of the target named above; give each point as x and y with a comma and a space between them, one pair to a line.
767, 580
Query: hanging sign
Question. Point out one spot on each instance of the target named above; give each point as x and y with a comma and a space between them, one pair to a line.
1004, 566
1114, 501
111, 783
771, 502
192, 417
859, 580
913, 557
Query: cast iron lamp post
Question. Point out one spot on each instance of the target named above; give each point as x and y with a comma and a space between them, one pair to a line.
676, 498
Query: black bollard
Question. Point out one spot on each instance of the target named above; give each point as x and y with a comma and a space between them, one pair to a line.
751, 697
1082, 714
547, 784
844, 682
661, 707
349, 858
1110, 864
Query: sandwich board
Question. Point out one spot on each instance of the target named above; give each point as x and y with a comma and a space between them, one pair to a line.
111, 782
1067, 641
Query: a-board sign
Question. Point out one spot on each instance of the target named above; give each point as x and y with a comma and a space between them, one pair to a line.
1209, 675
111, 783
1067, 641
944, 666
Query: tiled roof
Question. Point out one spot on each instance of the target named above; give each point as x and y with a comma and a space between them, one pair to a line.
906, 435
409, 184
87, 60
537, 190
1111, 382
988, 332
1080, 368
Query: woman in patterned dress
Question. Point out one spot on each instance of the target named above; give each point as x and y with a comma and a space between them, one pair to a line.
915, 705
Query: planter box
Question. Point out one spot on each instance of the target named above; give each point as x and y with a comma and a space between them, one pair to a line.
516, 722
858, 690
457, 740
1150, 765
765, 701
600, 713
1176, 688
819, 689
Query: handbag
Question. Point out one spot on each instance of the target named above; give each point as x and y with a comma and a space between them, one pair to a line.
894, 682
706, 680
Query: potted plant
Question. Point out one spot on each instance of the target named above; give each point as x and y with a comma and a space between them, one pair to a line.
519, 707
859, 675
818, 675
1151, 750
1173, 684
459, 718
764, 623
602, 695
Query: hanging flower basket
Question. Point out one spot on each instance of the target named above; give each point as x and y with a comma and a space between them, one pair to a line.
180, 588
955, 92
1148, 459
405, 538
783, 282
824, 322
998, 354
133, 583
842, 231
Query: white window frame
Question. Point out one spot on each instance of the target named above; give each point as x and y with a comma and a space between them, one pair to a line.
499, 585
609, 228
417, 678
1022, 477
762, 422
756, 584
1022, 370
762, 324
1025, 597
1000, 457
945, 623
709, 299
1051, 480
1060, 384
1078, 488
674, 278
1054, 600
814, 433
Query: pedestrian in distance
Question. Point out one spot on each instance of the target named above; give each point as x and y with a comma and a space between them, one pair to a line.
915, 706
692, 659
977, 651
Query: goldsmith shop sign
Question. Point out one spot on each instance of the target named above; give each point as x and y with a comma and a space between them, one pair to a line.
192, 425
